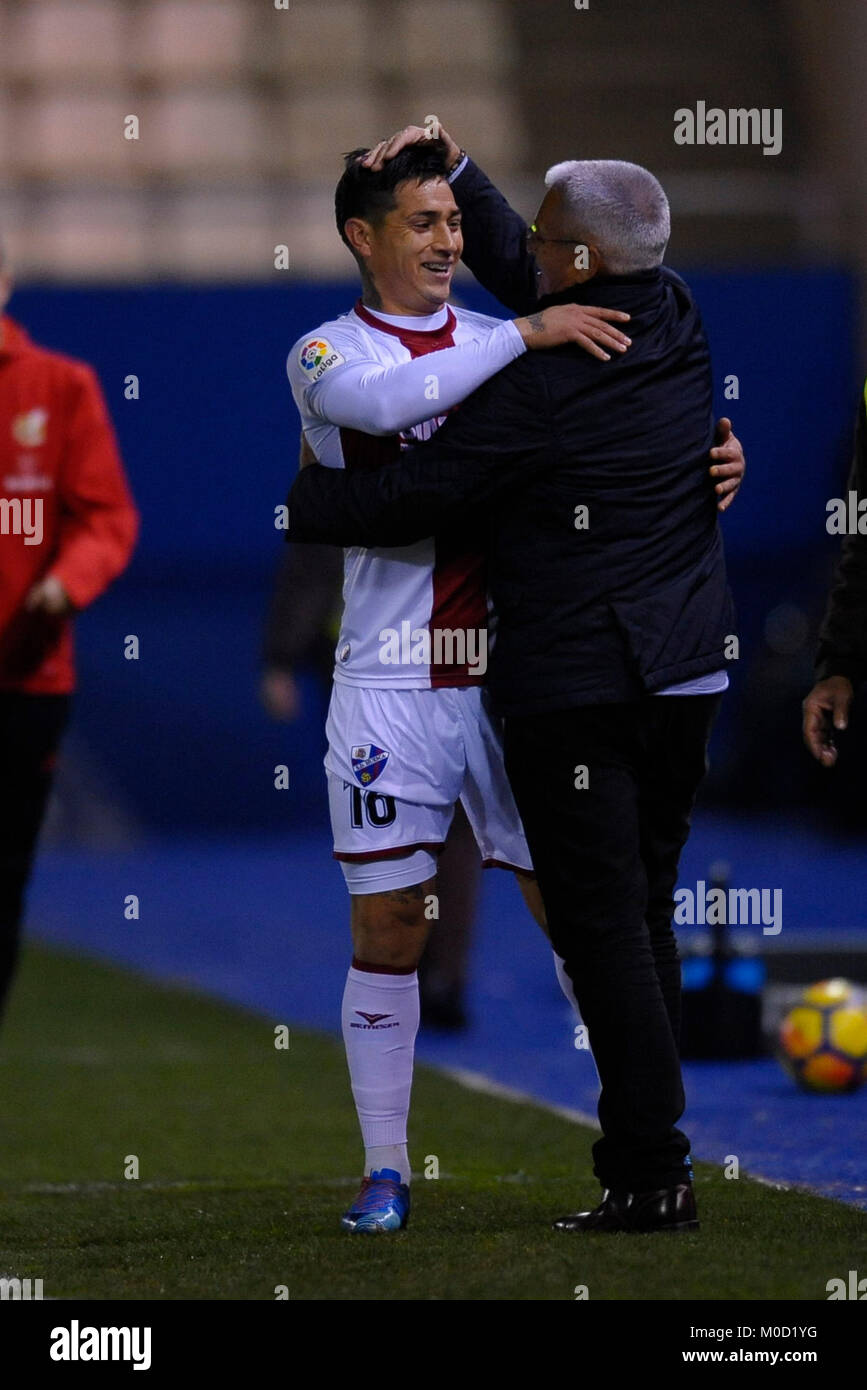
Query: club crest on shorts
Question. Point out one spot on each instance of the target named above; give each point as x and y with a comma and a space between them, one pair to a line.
368, 762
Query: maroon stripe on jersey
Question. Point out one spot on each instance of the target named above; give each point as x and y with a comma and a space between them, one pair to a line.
460, 604
417, 340
460, 601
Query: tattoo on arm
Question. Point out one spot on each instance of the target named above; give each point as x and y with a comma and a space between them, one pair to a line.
536, 322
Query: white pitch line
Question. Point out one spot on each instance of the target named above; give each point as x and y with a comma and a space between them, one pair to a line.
781, 1186
59, 1189
476, 1081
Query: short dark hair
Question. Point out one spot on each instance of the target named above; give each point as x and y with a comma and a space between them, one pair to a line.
369, 193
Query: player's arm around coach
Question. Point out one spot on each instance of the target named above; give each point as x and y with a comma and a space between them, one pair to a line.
505, 255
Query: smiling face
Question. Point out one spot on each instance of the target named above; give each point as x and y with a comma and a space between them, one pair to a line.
554, 248
409, 257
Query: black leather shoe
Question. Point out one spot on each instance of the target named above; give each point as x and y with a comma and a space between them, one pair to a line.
666, 1209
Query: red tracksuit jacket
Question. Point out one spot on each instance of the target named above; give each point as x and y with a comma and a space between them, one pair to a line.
57, 446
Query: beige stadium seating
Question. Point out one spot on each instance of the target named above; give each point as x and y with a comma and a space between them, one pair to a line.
319, 42
453, 36
65, 40
193, 38
62, 135
214, 235
311, 148
79, 234
480, 118
203, 132
7, 143
244, 111
305, 224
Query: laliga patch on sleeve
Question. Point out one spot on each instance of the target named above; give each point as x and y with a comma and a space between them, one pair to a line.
318, 356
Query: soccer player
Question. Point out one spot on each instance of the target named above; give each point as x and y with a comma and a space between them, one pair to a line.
409, 730
301, 629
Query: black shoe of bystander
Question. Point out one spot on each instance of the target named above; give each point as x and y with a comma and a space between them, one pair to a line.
666, 1209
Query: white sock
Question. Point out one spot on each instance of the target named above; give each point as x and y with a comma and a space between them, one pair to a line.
391, 1157
565, 983
380, 1021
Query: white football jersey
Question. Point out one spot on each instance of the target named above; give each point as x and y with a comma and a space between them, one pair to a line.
366, 386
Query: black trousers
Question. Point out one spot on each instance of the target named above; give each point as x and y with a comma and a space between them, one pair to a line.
31, 727
607, 858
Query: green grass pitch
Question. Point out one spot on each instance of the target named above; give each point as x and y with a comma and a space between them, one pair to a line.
248, 1153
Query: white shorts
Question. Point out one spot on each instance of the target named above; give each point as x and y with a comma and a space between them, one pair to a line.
398, 762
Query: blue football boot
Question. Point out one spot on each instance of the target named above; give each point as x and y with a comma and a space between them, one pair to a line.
382, 1204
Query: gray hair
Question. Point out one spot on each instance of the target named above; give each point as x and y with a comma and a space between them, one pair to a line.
620, 208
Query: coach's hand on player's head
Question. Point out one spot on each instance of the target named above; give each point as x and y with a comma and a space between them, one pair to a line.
826, 707
730, 467
410, 135
585, 324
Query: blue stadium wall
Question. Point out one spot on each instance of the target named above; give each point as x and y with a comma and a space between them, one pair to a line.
211, 445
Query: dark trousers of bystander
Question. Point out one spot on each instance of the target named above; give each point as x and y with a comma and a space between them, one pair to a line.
31, 727
606, 846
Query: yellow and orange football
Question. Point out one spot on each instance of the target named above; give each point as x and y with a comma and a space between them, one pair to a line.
823, 1039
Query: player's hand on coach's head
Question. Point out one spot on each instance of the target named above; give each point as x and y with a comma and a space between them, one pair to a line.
591, 327
380, 153
730, 466
827, 705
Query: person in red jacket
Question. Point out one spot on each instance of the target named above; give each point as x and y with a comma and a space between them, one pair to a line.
68, 525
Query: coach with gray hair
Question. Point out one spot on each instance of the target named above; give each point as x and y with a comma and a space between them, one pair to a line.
588, 479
